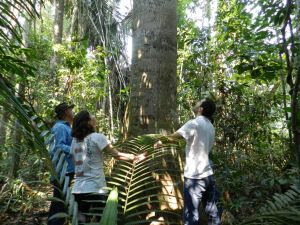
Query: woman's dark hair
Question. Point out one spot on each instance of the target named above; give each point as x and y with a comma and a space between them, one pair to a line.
81, 127
209, 108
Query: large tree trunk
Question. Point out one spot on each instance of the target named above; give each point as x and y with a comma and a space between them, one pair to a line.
152, 106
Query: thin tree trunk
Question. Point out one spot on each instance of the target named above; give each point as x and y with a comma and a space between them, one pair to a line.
295, 111
16, 139
34, 22
57, 33
295, 93
3, 127
153, 81
103, 103
41, 21
59, 21
293, 73
111, 115
283, 84
74, 21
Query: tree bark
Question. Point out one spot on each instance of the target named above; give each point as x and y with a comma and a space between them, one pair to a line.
57, 34
3, 130
152, 106
110, 101
58, 21
293, 71
295, 93
3, 127
16, 139
295, 112
74, 21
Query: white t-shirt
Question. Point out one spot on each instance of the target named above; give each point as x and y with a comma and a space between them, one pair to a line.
199, 134
88, 159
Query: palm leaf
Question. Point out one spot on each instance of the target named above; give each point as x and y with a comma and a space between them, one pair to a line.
110, 213
9, 21
144, 188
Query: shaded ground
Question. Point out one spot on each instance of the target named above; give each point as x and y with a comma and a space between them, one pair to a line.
29, 208
35, 218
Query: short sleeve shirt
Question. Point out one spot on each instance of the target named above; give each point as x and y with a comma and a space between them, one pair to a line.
199, 134
88, 158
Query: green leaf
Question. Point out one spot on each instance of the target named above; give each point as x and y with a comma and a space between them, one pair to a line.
261, 35
54, 199
243, 67
59, 215
110, 213
255, 73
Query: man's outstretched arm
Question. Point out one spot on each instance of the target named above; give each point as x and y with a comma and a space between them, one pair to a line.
175, 137
172, 138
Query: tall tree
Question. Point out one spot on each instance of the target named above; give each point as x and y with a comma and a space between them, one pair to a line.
152, 106
58, 21
3, 126
295, 96
16, 139
57, 32
292, 65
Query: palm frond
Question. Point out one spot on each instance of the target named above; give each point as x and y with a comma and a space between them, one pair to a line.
9, 21
149, 191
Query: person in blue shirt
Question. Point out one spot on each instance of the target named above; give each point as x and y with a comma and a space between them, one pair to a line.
62, 132
63, 139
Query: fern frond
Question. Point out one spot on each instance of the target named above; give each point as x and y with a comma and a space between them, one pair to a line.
284, 209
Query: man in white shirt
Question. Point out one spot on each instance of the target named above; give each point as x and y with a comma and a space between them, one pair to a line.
199, 184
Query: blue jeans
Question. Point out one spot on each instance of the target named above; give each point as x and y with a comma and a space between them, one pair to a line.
195, 191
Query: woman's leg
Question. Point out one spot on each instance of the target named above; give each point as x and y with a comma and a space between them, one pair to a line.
83, 207
98, 205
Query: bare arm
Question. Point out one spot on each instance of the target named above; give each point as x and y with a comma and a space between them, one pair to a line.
172, 138
175, 137
119, 155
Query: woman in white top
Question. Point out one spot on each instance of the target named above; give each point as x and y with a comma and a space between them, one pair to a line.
87, 150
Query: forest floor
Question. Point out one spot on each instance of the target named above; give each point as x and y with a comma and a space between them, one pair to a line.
37, 217
34, 211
